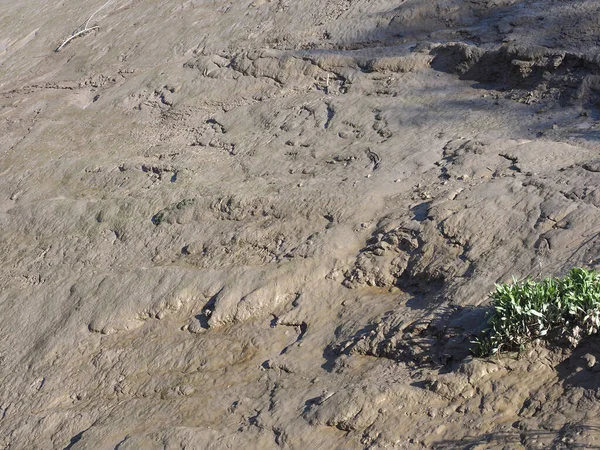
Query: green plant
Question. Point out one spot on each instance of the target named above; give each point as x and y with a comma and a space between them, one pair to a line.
551, 309
166, 214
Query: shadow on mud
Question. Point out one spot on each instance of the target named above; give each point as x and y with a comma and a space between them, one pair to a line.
582, 368
566, 437
550, 68
441, 339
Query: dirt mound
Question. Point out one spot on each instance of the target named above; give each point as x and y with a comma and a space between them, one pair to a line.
537, 73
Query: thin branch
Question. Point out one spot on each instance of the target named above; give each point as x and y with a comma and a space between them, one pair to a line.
86, 28
96, 12
80, 33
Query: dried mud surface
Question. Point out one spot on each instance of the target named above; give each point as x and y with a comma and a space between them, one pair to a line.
274, 224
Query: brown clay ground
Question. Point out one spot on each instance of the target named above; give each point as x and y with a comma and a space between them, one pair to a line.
274, 224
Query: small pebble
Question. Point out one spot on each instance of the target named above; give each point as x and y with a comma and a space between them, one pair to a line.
590, 360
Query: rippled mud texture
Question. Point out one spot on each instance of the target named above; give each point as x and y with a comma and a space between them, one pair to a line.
274, 224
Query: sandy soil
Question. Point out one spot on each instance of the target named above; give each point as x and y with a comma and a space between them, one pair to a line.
274, 224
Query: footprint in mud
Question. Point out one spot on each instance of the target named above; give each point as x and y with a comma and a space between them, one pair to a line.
160, 172
380, 125
304, 119
298, 120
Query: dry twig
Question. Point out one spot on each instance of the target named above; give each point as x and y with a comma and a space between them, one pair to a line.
86, 27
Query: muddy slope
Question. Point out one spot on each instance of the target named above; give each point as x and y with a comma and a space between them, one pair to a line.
274, 224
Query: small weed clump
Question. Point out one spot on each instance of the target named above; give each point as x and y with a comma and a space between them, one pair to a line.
552, 309
165, 215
